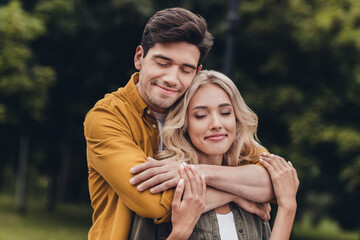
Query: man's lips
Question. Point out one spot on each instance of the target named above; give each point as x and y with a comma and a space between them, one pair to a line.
166, 90
216, 137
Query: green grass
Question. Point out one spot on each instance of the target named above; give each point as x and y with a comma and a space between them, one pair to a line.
68, 221
327, 229
72, 222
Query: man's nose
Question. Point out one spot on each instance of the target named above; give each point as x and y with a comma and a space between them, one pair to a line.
170, 76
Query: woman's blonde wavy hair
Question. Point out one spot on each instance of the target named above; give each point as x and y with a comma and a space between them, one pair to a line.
179, 146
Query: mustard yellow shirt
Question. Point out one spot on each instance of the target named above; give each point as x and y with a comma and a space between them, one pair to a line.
121, 132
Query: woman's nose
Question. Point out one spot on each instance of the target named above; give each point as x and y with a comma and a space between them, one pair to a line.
215, 122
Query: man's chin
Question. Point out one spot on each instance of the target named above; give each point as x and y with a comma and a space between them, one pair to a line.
164, 103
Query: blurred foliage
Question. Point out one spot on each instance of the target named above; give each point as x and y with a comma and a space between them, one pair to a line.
298, 67
297, 64
23, 83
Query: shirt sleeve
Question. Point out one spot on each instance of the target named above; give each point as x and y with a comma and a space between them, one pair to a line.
255, 159
112, 152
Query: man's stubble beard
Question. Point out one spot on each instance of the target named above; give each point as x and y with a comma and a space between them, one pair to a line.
162, 102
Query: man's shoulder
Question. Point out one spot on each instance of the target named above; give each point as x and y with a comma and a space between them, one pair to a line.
110, 100
123, 98
113, 111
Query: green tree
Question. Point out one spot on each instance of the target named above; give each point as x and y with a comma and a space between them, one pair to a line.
23, 83
298, 62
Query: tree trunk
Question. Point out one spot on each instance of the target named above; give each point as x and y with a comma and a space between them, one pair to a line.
65, 165
21, 175
51, 193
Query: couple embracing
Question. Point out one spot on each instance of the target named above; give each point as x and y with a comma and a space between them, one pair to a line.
177, 143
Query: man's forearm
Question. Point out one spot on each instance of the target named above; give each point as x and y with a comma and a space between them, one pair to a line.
251, 182
216, 198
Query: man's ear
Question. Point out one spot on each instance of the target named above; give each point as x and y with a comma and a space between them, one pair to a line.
199, 68
138, 58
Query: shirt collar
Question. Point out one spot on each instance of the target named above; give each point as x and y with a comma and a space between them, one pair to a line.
133, 94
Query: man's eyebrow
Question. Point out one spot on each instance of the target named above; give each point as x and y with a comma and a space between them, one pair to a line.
162, 57
169, 59
190, 66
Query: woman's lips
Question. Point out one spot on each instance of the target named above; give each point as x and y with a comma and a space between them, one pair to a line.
215, 137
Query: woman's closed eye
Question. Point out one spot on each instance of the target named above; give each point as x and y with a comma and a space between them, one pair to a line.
226, 112
200, 114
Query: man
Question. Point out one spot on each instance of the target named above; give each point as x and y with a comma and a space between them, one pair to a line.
122, 130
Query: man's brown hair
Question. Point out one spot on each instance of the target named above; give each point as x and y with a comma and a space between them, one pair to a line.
177, 25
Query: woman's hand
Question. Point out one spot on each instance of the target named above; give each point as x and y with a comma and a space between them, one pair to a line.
188, 203
285, 182
284, 179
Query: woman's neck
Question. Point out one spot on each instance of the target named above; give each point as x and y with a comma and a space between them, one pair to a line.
210, 159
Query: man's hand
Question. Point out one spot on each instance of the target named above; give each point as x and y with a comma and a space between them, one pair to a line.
260, 209
161, 175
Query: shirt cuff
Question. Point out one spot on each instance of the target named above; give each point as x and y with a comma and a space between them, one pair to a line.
166, 201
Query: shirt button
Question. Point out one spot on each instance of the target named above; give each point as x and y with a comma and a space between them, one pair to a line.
154, 126
140, 114
148, 112
240, 230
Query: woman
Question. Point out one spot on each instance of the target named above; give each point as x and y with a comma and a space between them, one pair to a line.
213, 125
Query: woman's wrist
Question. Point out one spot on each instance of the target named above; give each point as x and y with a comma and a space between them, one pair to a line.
178, 234
288, 207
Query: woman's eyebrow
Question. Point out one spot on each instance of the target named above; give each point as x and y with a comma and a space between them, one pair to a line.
199, 107
225, 105
205, 107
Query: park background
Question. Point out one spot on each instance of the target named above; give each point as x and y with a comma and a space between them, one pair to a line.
296, 63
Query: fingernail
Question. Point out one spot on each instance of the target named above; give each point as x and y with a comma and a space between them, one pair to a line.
185, 164
181, 182
264, 153
182, 166
203, 176
261, 160
290, 163
271, 155
152, 190
132, 181
192, 166
149, 158
139, 188
132, 170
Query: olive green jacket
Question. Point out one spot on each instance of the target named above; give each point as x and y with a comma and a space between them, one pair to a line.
248, 227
